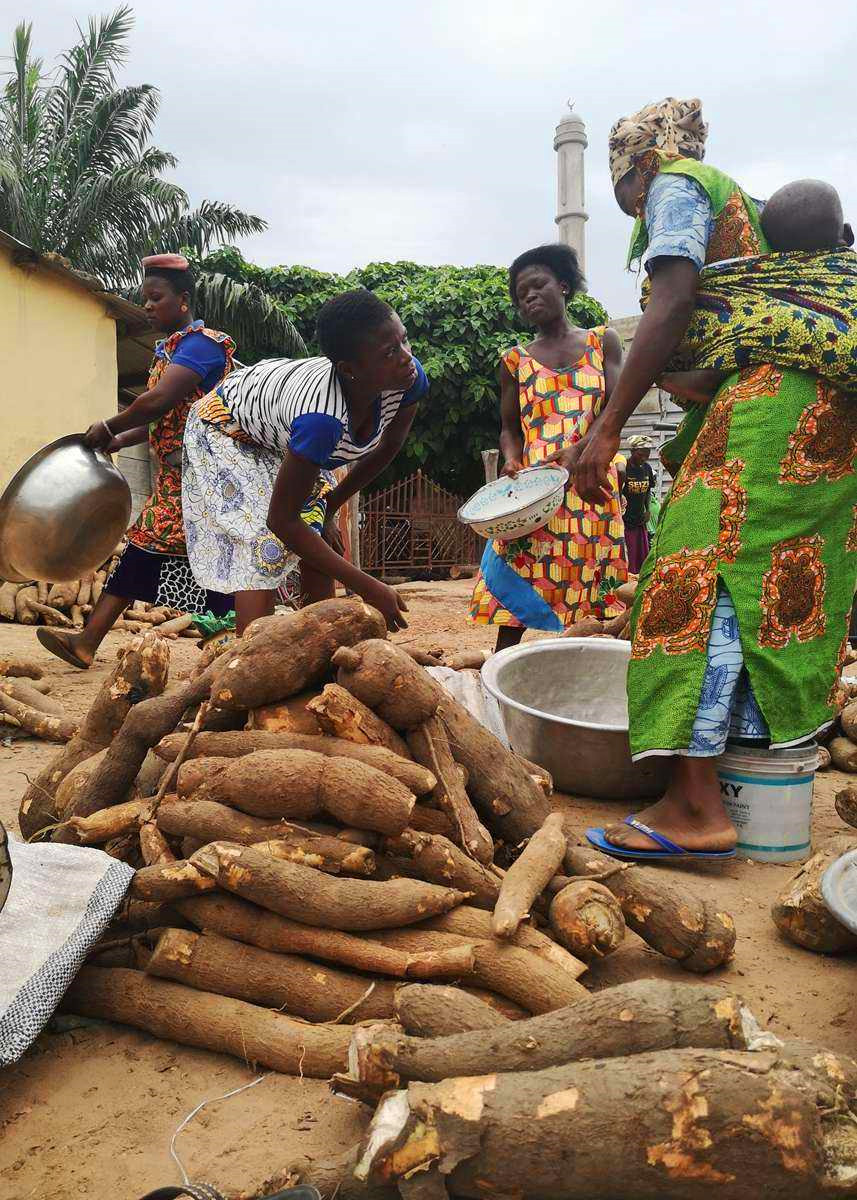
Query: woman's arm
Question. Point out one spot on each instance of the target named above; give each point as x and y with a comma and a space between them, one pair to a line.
696, 387
511, 434
133, 437
661, 329
174, 385
293, 487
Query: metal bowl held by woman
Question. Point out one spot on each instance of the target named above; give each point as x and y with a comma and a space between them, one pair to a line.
62, 514
512, 508
564, 706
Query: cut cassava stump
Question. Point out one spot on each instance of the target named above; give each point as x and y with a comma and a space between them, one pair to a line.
237, 744
291, 653
669, 918
317, 899
285, 982
430, 746
529, 875
675, 1125
475, 923
587, 918
799, 912
405, 695
244, 922
843, 754
633, 1018
207, 821
140, 672
438, 860
343, 715
297, 784
288, 716
846, 805
432, 1011
532, 982
182, 1014
388, 681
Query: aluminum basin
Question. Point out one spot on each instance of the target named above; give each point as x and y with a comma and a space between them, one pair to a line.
564, 707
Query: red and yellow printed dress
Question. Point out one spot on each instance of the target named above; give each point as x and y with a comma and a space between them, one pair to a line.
571, 567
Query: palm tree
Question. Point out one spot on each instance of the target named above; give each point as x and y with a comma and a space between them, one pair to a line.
79, 178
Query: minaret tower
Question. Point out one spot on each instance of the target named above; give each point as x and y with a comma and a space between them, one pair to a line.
570, 143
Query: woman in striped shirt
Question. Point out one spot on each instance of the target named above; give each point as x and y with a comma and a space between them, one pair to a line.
259, 452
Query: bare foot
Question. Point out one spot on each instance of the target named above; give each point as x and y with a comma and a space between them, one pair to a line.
70, 647
691, 814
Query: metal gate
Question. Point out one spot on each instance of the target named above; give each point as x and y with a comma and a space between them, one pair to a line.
411, 527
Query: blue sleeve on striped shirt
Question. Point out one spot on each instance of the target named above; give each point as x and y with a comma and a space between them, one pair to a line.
418, 388
315, 436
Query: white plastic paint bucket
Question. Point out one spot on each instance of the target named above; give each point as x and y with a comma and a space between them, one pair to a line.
768, 795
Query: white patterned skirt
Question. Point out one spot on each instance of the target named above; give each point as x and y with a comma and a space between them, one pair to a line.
226, 493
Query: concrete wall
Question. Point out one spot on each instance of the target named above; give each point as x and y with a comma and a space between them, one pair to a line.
57, 360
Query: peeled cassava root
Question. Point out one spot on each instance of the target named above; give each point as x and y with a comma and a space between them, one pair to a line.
587, 918
674, 1125
633, 1018
528, 876
297, 784
182, 1014
244, 922
285, 982
405, 696
140, 672
317, 899
799, 912
670, 919
429, 745
239, 743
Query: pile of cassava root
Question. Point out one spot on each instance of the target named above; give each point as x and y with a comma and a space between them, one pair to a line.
67, 605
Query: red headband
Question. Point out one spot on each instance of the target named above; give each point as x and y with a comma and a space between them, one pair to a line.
168, 262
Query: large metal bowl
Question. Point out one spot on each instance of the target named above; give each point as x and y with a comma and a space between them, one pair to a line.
62, 514
564, 706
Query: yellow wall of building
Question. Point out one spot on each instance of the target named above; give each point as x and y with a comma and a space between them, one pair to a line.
57, 360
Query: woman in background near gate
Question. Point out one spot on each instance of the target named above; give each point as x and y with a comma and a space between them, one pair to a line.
638, 484
188, 362
260, 451
551, 394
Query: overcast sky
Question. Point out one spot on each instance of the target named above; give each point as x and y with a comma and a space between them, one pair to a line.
364, 130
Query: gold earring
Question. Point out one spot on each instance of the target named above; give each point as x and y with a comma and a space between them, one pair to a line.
184, 308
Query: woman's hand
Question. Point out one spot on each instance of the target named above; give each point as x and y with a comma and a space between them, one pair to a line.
511, 467
387, 601
592, 476
569, 456
98, 436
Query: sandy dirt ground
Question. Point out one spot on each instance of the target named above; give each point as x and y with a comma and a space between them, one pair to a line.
90, 1112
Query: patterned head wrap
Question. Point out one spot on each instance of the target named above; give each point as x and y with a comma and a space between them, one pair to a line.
640, 442
674, 126
166, 262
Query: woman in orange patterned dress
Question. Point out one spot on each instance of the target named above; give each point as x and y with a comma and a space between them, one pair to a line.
190, 361
551, 393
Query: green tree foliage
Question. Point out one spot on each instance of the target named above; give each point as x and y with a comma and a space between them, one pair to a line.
459, 319
79, 178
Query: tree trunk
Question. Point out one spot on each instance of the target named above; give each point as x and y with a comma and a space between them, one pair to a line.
430, 746
316, 899
206, 821
675, 1125
799, 912
289, 984
529, 875
537, 985
219, 1023
633, 1018
432, 1011
298, 784
244, 922
475, 923
342, 715
438, 860
236, 744
672, 920
140, 672
587, 918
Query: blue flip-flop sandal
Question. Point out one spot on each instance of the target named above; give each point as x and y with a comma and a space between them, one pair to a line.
668, 849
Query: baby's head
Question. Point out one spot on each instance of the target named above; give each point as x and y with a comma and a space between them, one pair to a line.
805, 215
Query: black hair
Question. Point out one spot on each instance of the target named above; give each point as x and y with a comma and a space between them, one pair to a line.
179, 281
343, 322
558, 258
804, 215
